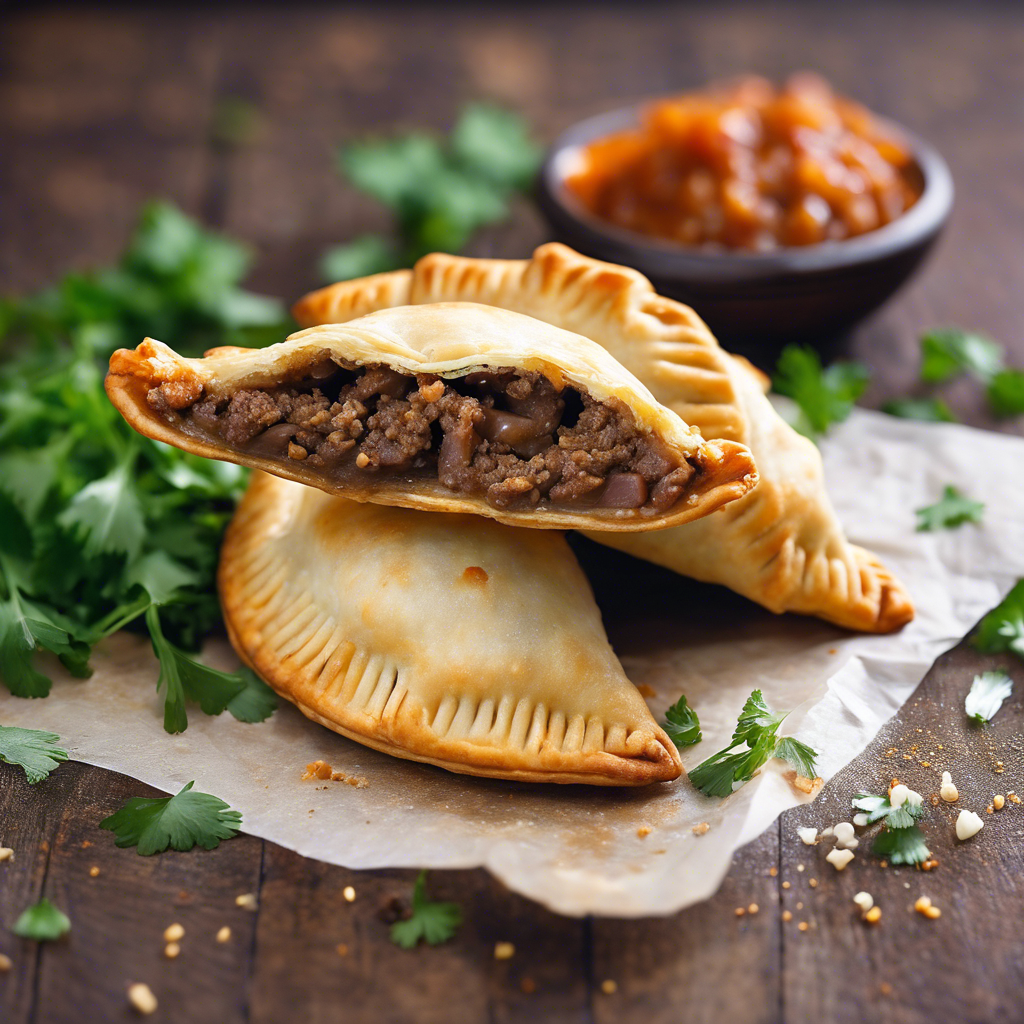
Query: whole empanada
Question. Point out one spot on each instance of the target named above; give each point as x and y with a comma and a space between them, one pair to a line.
781, 545
449, 639
452, 407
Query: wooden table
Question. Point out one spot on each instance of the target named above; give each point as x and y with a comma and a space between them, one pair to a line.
100, 110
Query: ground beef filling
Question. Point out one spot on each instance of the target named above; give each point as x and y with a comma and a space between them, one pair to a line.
508, 435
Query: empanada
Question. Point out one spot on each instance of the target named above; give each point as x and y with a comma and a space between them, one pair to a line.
452, 407
449, 639
782, 544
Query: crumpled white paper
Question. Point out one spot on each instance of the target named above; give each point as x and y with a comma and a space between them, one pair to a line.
577, 849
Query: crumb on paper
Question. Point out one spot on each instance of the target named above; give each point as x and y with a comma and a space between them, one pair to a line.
809, 786
174, 933
224, 935
609, 987
171, 950
341, 949
701, 828
325, 773
247, 901
643, 831
141, 997
647, 691
349, 893
504, 950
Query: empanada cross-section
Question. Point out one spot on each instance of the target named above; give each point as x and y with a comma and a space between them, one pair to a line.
453, 407
449, 639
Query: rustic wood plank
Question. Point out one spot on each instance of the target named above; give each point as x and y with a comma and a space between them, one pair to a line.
305, 917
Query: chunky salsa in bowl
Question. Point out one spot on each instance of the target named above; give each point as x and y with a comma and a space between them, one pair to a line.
778, 212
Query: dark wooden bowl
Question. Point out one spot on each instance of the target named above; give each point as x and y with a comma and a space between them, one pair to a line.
756, 301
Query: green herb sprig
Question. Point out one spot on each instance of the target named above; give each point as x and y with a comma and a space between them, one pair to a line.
42, 922
440, 191
433, 921
951, 510
1002, 629
986, 696
682, 724
899, 841
824, 395
35, 751
98, 525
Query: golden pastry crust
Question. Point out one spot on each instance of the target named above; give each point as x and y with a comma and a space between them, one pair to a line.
780, 545
449, 340
440, 638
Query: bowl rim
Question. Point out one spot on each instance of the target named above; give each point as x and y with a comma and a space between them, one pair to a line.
914, 227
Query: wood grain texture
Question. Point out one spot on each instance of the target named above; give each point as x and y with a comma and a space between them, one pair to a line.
100, 110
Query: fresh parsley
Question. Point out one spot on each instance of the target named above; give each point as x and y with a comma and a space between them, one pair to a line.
1006, 393
952, 509
931, 410
440, 191
824, 396
182, 821
433, 921
37, 752
682, 724
98, 525
1002, 629
946, 352
986, 696
42, 922
755, 734
899, 841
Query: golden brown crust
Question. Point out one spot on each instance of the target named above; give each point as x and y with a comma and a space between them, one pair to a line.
781, 544
446, 339
369, 619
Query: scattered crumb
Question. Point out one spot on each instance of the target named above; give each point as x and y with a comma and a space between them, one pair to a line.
865, 901
174, 933
885, 988
838, 859
808, 836
773, 872
247, 901
171, 950
504, 950
785, 885
968, 824
813, 882
94, 871
647, 691
799, 867
800, 906
874, 915
809, 786
701, 829
998, 802
753, 908
1014, 798
845, 837
609, 987
643, 831
833, 650
528, 986
141, 997
740, 911
924, 906
349, 893
927, 865
803, 926
323, 771
362, 460
342, 948
787, 915
6, 963
86, 844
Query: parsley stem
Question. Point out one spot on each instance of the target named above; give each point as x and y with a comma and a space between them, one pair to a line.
120, 617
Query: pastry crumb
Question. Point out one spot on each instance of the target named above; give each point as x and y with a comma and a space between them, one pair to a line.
224, 934
609, 987
342, 949
998, 802
504, 950
94, 871
803, 926
644, 831
700, 829
6, 963
753, 908
174, 933
325, 773
349, 893
171, 950
787, 915
874, 915
142, 999
6, 853
528, 986
740, 911
247, 901
808, 786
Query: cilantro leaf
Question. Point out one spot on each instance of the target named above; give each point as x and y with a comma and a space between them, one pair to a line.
394, 171
181, 822
946, 352
875, 807
718, 775
952, 509
986, 696
1002, 629
931, 410
799, 756
160, 575
682, 724
108, 514
496, 144
755, 717
1006, 393
824, 396
35, 751
901, 845
363, 256
433, 921
181, 677
42, 922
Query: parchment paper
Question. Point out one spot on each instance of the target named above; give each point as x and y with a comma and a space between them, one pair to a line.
576, 849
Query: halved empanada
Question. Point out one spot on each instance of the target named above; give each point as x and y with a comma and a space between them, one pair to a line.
448, 639
452, 407
781, 544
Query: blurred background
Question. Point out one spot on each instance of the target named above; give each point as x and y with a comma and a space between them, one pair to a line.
236, 113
